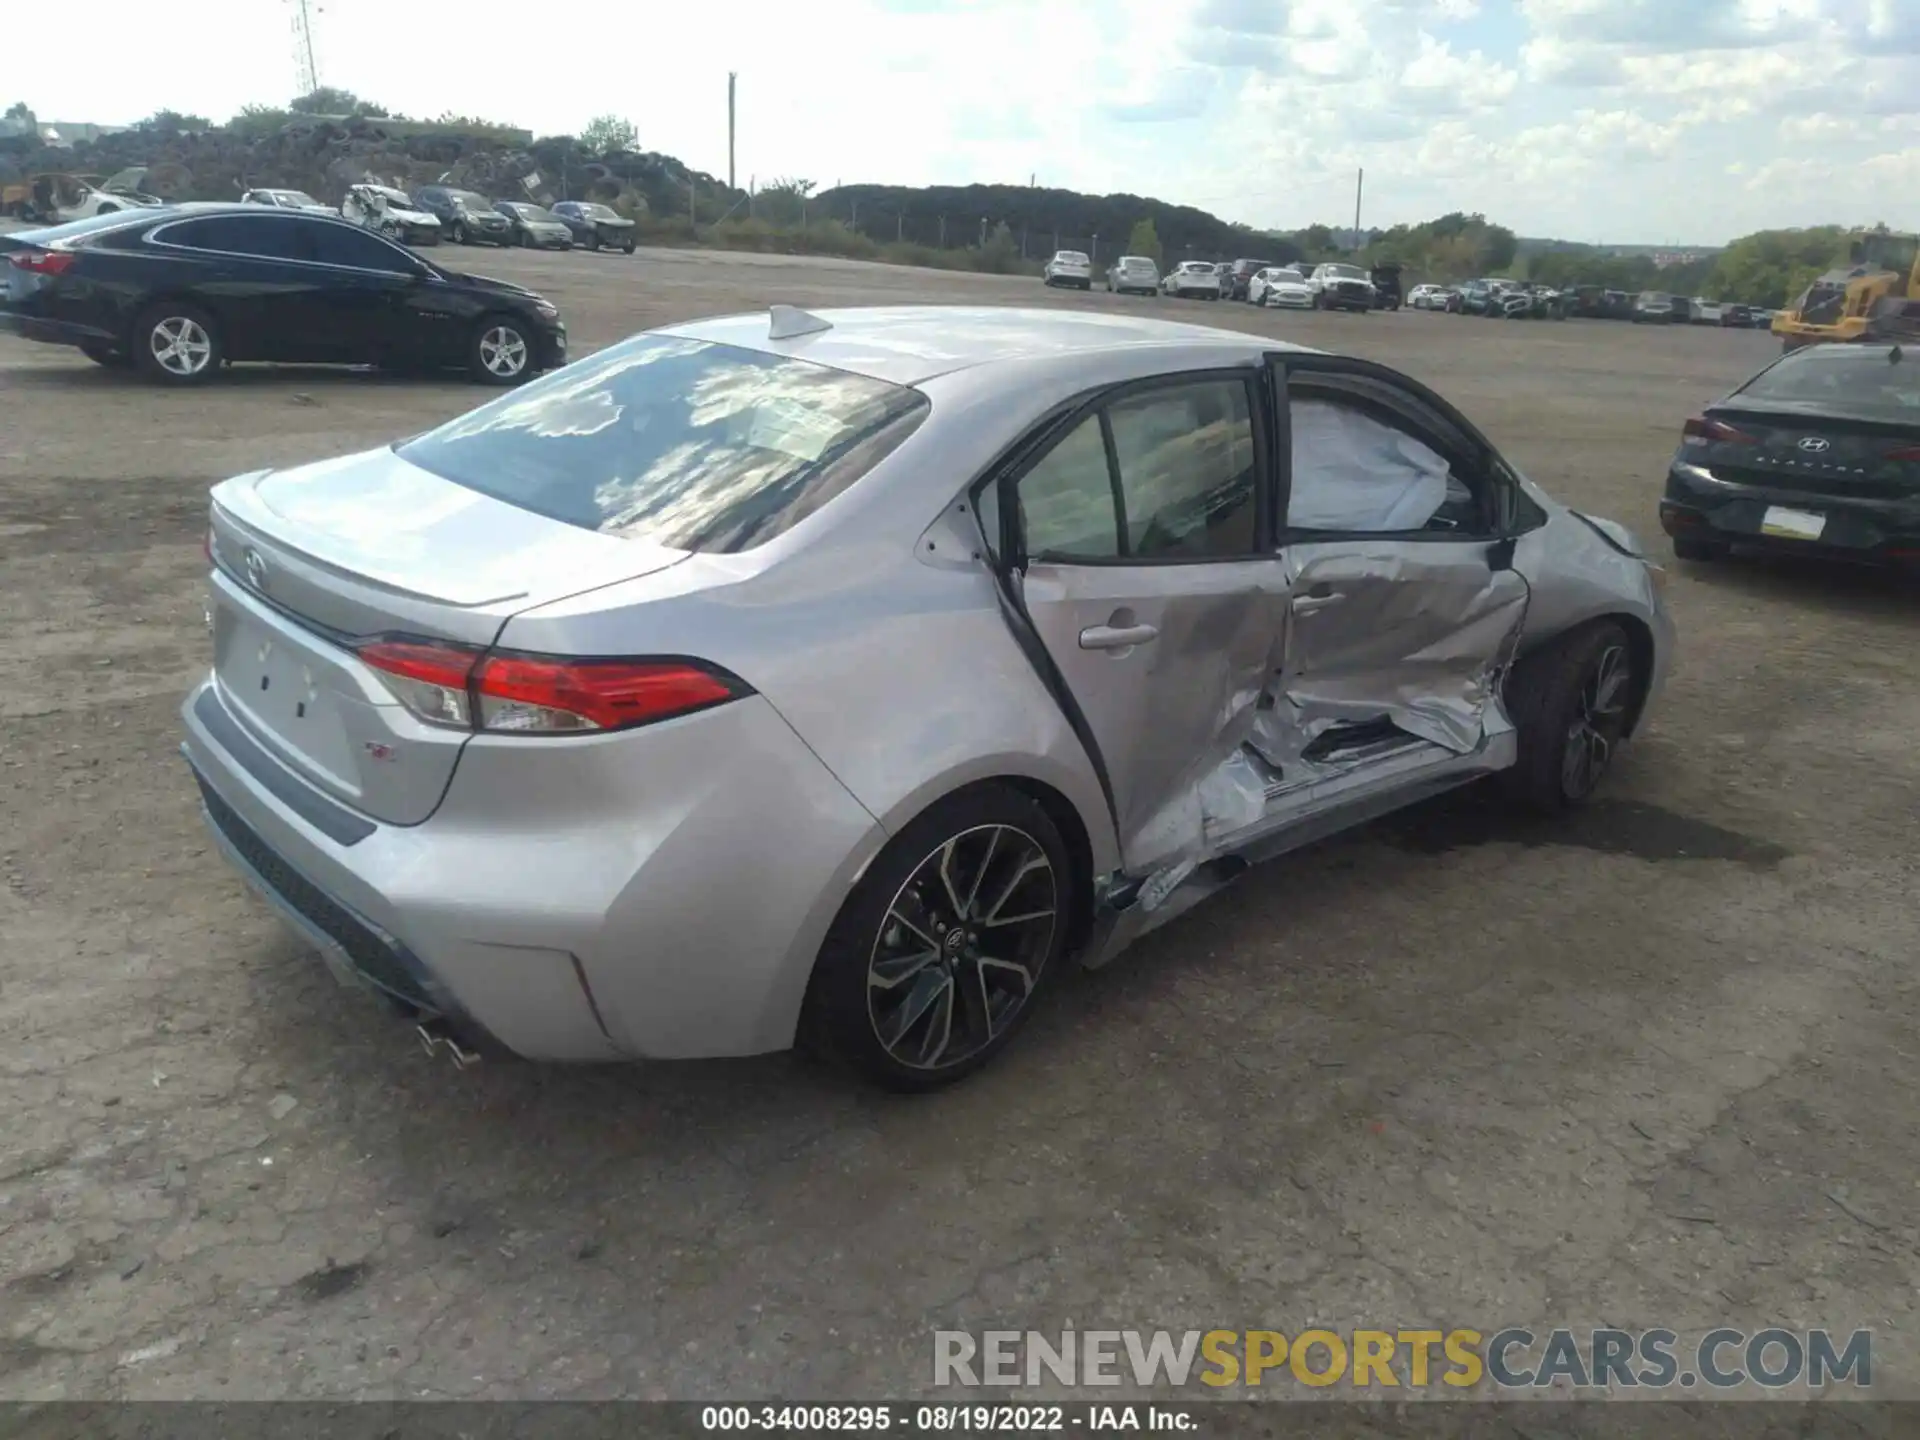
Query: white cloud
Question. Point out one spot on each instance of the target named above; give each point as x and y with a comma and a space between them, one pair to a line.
1680, 120
1437, 79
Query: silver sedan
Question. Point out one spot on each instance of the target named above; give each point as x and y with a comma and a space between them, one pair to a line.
845, 677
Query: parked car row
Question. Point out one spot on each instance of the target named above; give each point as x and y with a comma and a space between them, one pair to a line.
466, 217
176, 292
1331, 286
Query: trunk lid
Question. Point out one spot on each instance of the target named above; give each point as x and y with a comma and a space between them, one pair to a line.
1814, 453
310, 560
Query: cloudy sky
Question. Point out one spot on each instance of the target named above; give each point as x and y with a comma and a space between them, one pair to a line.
1658, 121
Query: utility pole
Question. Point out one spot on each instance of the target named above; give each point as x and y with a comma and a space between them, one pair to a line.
731, 77
692, 188
1359, 180
899, 226
943, 232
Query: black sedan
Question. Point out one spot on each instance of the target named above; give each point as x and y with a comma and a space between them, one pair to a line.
535, 226
597, 227
466, 217
1818, 455
177, 292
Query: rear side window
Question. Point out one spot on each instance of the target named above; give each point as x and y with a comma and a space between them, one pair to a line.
684, 443
1178, 483
1855, 379
271, 237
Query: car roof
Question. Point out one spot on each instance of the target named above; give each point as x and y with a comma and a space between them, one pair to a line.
907, 344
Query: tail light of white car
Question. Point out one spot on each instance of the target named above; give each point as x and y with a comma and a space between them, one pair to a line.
505, 692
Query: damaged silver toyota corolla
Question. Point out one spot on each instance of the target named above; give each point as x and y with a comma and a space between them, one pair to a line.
846, 676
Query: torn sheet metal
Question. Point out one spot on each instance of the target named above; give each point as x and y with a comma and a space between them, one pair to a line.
1418, 638
1170, 710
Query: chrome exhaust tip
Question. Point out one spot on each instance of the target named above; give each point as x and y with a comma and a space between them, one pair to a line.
434, 1038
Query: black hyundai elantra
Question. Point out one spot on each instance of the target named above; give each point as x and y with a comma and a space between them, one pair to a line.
1817, 455
177, 291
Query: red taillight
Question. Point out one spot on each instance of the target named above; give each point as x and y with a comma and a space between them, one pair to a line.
539, 694
532, 694
430, 679
1909, 453
43, 262
1702, 431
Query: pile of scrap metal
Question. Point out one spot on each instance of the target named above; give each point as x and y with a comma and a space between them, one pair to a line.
52, 198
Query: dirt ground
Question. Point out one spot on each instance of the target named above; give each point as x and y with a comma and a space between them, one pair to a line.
1655, 1067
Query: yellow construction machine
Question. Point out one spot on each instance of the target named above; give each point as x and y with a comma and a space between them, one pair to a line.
1877, 297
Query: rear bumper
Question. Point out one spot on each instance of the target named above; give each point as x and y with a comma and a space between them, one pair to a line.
1874, 531
53, 332
654, 894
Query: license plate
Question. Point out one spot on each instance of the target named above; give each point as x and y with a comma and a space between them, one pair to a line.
1792, 524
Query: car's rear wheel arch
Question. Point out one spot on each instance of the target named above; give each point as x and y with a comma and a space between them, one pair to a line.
1066, 819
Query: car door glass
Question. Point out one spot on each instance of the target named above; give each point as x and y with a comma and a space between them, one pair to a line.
1067, 508
271, 237
1187, 478
1355, 471
349, 245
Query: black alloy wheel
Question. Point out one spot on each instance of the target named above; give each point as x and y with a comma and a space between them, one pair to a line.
1570, 703
937, 957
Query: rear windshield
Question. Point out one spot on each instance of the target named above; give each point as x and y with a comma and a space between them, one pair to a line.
1071, 257
680, 442
1853, 379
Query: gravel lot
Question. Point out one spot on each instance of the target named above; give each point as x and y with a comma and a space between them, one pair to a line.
1653, 1068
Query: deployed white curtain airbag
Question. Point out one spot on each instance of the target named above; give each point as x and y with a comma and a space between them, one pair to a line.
1351, 472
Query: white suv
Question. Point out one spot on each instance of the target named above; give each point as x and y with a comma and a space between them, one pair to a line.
1133, 274
1069, 267
1197, 278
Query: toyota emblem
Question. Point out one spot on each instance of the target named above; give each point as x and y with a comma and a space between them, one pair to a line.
1813, 444
256, 570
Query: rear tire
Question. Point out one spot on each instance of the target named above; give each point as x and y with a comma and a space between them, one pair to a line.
1569, 703
630, 247
1685, 547
894, 994
501, 351
175, 343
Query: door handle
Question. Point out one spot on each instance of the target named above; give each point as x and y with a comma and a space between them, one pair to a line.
1318, 598
1116, 637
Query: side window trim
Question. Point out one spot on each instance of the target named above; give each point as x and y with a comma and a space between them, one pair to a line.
1039, 442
